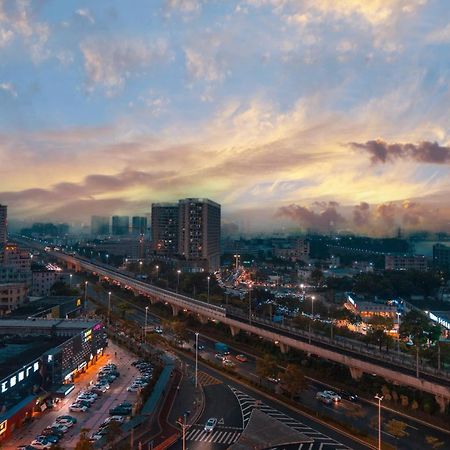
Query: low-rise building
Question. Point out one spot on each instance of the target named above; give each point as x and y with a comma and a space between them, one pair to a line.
406, 262
12, 295
43, 280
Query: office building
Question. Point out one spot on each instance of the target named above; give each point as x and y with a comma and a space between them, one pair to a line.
405, 262
39, 360
99, 225
138, 225
12, 296
120, 225
199, 231
165, 229
441, 256
3, 224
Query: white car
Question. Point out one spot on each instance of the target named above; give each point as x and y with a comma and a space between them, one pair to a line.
39, 444
86, 398
76, 407
210, 424
335, 397
324, 398
109, 419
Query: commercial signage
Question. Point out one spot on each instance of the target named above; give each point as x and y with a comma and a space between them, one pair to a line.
18, 377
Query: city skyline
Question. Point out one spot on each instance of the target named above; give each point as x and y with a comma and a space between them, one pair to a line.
318, 114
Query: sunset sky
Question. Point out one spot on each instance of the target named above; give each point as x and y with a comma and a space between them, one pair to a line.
324, 114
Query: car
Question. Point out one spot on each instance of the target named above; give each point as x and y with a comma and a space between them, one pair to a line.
109, 419
52, 430
59, 427
241, 358
39, 444
52, 438
86, 398
348, 396
219, 356
228, 363
67, 417
324, 398
97, 390
274, 380
158, 330
120, 411
335, 397
77, 407
133, 388
210, 424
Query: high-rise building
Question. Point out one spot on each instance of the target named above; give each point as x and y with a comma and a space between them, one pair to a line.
99, 225
441, 256
120, 225
3, 224
199, 231
165, 228
138, 225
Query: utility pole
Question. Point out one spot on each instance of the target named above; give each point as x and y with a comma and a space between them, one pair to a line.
109, 308
379, 398
208, 278
196, 359
85, 296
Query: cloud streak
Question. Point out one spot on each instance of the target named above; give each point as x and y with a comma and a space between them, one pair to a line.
381, 152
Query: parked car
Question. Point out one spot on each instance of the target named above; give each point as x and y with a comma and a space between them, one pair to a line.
324, 398
77, 407
210, 424
67, 417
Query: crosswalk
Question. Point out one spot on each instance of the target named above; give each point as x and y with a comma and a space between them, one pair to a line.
321, 441
218, 436
207, 380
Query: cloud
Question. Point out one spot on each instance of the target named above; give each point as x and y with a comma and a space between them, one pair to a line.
108, 63
325, 220
361, 214
424, 152
440, 36
203, 63
85, 14
9, 88
183, 6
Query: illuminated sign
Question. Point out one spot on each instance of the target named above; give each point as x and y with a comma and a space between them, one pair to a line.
3, 426
36, 366
87, 335
21, 375
12, 381
18, 377
83, 364
79, 302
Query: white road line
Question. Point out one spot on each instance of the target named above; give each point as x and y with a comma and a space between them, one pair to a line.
200, 436
219, 435
222, 439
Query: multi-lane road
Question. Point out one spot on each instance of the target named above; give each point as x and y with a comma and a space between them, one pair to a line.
225, 399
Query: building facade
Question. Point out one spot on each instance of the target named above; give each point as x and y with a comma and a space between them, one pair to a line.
199, 231
12, 295
138, 225
3, 224
405, 262
441, 256
43, 280
164, 229
120, 225
100, 225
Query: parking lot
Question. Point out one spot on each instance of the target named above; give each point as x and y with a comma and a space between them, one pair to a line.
96, 414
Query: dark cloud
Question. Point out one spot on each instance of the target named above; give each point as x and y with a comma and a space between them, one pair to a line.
326, 219
361, 214
425, 152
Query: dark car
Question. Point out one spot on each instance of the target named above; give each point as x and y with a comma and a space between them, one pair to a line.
50, 431
84, 403
348, 396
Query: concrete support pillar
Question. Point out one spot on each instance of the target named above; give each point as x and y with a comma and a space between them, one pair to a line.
442, 402
153, 300
356, 373
175, 310
284, 348
202, 319
234, 330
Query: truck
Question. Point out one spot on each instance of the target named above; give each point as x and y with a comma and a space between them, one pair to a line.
222, 348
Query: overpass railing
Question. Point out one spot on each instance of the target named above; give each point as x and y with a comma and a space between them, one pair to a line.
343, 344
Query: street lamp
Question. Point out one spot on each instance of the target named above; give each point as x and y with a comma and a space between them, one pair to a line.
144, 332
70, 281
398, 339
379, 398
140, 266
178, 279
184, 426
208, 278
85, 295
250, 304
196, 358
312, 316
109, 307
157, 272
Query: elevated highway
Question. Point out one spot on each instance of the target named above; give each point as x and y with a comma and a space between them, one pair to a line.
360, 358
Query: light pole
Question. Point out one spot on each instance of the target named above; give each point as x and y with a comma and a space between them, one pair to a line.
109, 307
398, 331
250, 304
140, 267
182, 423
144, 331
196, 358
208, 278
178, 279
85, 296
312, 316
379, 398
157, 272
70, 281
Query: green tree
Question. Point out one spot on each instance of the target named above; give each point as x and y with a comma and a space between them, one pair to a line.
124, 308
266, 366
293, 380
397, 428
84, 443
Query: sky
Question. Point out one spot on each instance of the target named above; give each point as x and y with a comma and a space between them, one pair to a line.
310, 114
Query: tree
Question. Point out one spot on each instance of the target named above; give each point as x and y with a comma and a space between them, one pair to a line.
293, 380
61, 288
397, 428
124, 308
114, 431
266, 366
418, 328
179, 329
84, 443
379, 325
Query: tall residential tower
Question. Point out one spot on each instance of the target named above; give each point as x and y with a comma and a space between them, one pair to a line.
165, 228
3, 224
